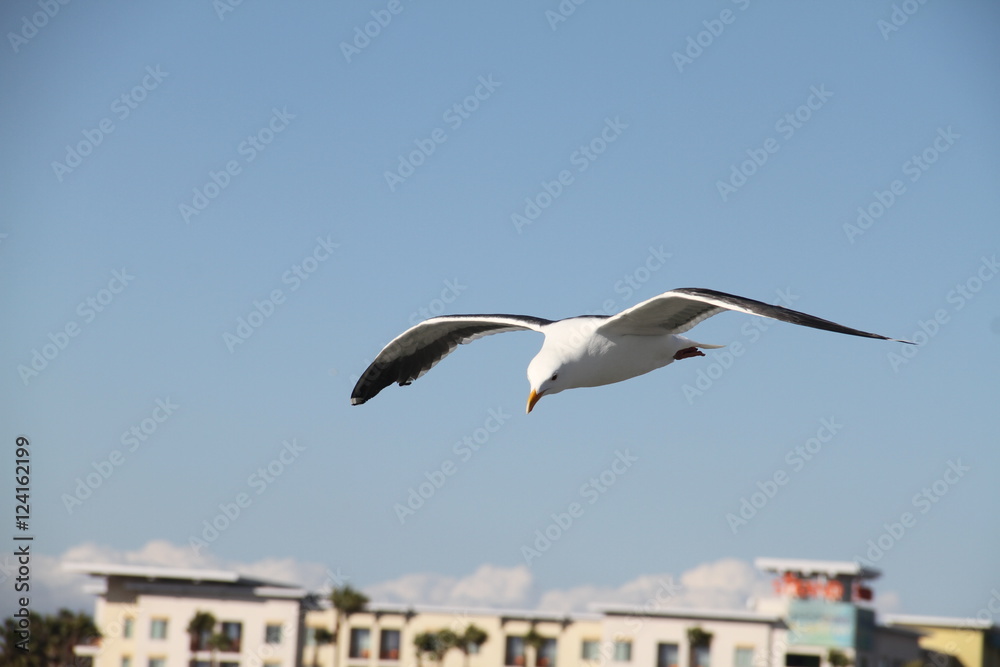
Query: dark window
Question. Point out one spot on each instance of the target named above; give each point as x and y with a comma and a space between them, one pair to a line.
700, 656
514, 651
388, 645
801, 660
547, 653
233, 630
666, 655
361, 646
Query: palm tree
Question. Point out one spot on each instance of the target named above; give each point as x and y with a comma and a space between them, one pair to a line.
473, 635
68, 629
217, 642
52, 639
839, 658
698, 639
320, 636
534, 641
426, 642
346, 601
200, 628
446, 640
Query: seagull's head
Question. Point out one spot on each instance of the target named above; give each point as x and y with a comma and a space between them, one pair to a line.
547, 375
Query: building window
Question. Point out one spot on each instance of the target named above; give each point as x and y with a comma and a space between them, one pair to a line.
744, 656
158, 628
590, 649
666, 655
623, 651
546, 653
700, 656
126, 661
272, 633
200, 663
514, 651
233, 630
388, 645
272, 664
229, 663
801, 660
127, 627
157, 662
360, 643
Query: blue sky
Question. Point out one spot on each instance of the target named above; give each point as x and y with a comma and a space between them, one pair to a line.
213, 220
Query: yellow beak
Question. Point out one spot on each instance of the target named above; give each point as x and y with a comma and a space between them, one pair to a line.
532, 399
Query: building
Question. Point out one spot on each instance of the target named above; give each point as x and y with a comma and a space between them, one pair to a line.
383, 636
143, 614
827, 605
820, 616
955, 642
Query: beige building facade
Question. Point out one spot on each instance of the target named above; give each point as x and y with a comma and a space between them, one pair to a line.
143, 614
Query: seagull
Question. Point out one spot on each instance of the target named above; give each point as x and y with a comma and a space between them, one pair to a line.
583, 351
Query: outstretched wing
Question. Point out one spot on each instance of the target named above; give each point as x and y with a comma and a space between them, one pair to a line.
678, 310
419, 348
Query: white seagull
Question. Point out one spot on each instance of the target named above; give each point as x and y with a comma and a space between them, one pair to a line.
584, 351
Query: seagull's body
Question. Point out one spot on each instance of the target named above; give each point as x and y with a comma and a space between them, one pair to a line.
584, 351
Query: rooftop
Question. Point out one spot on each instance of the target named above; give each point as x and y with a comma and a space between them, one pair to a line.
937, 622
829, 568
688, 612
177, 575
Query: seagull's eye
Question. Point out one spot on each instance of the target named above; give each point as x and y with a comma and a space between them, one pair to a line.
553, 378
